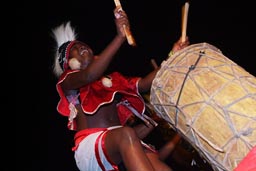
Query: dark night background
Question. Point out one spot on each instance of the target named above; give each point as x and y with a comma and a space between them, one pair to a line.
42, 141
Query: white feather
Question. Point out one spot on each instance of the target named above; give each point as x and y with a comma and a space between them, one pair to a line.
62, 34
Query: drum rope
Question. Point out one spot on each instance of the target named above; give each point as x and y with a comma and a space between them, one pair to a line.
192, 67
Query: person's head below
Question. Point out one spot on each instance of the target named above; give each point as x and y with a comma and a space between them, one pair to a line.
70, 53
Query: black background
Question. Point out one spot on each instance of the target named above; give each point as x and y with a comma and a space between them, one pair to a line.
42, 140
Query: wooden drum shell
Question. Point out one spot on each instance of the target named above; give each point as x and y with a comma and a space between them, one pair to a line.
210, 100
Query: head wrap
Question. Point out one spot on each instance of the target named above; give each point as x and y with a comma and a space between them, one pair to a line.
65, 37
64, 54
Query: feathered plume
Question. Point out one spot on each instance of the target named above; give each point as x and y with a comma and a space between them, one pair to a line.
62, 34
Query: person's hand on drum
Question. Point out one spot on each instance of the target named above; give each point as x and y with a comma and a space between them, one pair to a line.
180, 45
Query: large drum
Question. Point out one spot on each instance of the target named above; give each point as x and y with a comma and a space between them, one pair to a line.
210, 101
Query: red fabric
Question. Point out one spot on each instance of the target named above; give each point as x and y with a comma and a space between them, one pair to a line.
123, 113
67, 50
80, 135
94, 95
249, 162
115, 167
63, 104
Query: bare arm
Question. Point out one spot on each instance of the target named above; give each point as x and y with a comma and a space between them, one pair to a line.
99, 65
168, 148
145, 83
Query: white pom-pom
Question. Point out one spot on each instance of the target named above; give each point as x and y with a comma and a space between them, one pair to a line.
107, 82
74, 63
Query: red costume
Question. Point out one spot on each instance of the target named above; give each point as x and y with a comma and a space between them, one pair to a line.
249, 162
98, 93
93, 96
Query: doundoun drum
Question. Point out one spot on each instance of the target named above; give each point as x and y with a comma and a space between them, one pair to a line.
210, 101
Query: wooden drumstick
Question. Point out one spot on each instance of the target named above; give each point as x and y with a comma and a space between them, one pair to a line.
184, 21
127, 31
154, 64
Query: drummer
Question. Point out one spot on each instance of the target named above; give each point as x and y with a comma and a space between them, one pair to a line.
96, 104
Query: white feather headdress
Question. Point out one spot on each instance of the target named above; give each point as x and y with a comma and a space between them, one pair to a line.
63, 35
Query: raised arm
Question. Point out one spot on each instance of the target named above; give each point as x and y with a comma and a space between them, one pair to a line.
145, 83
104, 58
98, 65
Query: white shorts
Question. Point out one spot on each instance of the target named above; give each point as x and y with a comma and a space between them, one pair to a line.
85, 155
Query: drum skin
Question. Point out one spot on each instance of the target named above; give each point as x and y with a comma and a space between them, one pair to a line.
210, 101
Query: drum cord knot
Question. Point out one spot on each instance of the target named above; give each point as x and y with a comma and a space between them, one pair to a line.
192, 67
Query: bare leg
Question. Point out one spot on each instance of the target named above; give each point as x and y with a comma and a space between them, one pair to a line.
157, 163
122, 144
168, 148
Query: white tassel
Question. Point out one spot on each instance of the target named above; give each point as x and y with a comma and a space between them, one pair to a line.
72, 115
74, 64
